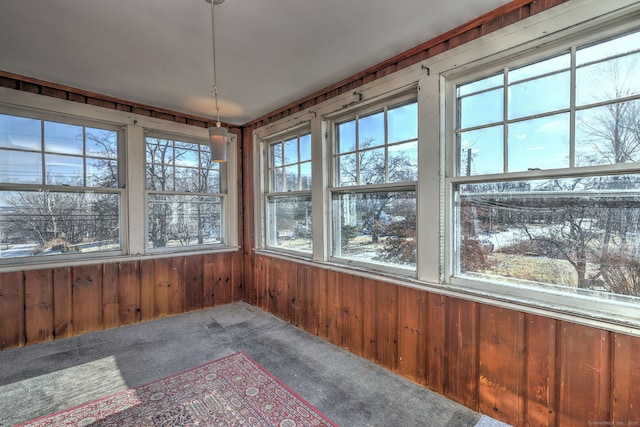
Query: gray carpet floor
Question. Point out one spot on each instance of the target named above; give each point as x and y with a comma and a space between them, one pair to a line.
44, 378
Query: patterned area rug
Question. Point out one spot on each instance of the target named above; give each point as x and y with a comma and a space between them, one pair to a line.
229, 392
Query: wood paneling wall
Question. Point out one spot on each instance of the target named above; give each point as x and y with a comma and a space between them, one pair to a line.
42, 305
523, 369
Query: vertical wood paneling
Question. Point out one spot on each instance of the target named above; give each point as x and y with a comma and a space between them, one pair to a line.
502, 364
584, 366
352, 313
38, 306
461, 375
210, 279
129, 292
236, 282
370, 320
148, 290
87, 298
177, 284
542, 383
412, 334
12, 310
193, 283
626, 380
334, 308
160, 272
387, 325
110, 306
436, 342
260, 280
63, 303
320, 298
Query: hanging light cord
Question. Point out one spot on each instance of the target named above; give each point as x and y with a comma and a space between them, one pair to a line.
213, 45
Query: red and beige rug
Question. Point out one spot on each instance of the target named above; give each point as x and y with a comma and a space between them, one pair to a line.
232, 391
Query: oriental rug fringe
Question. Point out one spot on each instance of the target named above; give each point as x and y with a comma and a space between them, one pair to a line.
232, 391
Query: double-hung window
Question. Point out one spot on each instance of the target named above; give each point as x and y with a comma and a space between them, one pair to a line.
288, 194
185, 192
60, 187
545, 172
373, 196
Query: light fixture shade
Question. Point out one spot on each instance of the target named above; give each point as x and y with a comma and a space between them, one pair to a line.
218, 137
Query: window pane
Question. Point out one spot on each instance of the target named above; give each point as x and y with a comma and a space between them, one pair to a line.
376, 227
290, 224
291, 178
102, 143
63, 138
371, 130
562, 62
615, 47
305, 176
610, 80
159, 177
276, 154
20, 133
102, 173
346, 170
187, 179
187, 155
539, 143
277, 180
546, 94
159, 151
481, 151
346, 133
608, 134
305, 147
19, 167
39, 223
212, 182
64, 170
372, 169
578, 233
481, 109
481, 85
403, 123
291, 151
176, 220
403, 162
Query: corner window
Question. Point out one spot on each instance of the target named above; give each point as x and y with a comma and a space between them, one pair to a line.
288, 196
60, 188
545, 183
375, 168
184, 194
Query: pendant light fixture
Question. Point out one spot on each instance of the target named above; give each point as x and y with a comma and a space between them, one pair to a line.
218, 135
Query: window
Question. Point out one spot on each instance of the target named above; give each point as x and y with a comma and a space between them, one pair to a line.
546, 180
184, 194
288, 199
60, 188
375, 168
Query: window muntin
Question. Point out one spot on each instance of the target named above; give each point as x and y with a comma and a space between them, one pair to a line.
185, 203
59, 188
373, 209
288, 195
569, 218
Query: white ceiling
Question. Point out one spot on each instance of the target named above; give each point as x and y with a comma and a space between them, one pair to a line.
270, 52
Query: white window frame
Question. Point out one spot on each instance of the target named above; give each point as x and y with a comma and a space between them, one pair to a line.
620, 310
132, 171
384, 103
268, 193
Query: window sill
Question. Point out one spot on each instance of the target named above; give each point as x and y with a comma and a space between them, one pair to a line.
30, 264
